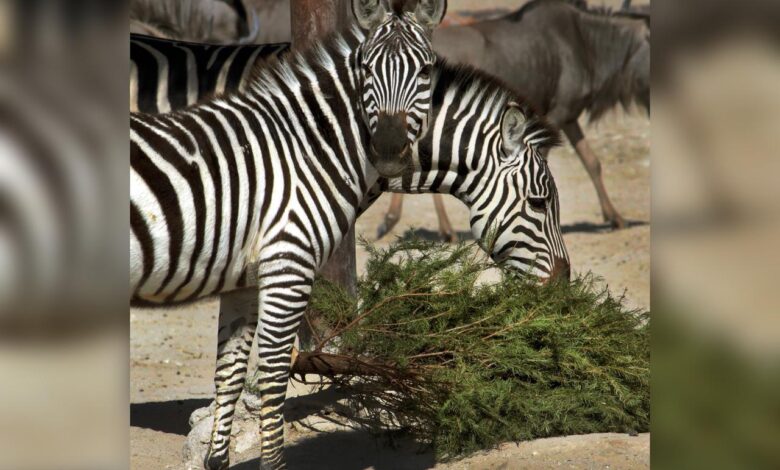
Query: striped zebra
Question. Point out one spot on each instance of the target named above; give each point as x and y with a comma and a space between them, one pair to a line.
487, 147
247, 195
167, 75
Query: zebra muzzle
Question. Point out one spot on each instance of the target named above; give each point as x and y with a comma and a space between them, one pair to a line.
390, 151
561, 270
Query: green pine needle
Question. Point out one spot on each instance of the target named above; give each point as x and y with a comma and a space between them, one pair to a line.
488, 363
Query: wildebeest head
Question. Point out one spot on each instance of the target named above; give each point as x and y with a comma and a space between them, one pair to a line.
394, 64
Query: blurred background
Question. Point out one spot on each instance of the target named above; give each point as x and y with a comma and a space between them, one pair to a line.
72, 355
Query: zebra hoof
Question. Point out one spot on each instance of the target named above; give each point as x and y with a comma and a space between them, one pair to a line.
216, 462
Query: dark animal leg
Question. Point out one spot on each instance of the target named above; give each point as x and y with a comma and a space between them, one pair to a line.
392, 216
593, 166
445, 228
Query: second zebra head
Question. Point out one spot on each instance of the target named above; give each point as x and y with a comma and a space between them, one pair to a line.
394, 66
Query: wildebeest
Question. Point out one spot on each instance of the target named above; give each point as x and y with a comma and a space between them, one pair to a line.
208, 21
566, 59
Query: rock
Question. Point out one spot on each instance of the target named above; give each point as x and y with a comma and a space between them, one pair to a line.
322, 423
201, 413
246, 426
197, 443
245, 433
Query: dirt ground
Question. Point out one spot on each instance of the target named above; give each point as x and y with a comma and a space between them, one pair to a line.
172, 351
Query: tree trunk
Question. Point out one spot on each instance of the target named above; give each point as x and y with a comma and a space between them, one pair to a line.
312, 20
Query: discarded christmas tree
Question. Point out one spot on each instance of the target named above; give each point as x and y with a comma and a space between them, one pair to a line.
465, 365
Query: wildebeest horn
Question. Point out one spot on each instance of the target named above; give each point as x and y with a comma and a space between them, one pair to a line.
254, 31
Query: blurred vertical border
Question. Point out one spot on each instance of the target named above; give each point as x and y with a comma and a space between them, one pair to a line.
63, 236
716, 230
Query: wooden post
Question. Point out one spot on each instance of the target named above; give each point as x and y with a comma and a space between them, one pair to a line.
312, 20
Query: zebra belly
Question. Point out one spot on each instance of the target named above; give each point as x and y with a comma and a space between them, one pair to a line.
182, 254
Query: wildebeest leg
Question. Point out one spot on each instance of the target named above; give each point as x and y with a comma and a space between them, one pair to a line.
392, 216
237, 325
593, 166
445, 228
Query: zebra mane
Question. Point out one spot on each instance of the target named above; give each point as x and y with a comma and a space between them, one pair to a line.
539, 132
320, 56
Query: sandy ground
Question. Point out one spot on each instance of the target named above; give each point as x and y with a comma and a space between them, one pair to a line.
172, 351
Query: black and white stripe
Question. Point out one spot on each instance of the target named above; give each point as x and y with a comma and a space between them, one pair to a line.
471, 151
246, 196
261, 186
167, 75
487, 147
396, 77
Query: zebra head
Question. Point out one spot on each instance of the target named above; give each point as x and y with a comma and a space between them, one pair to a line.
394, 65
517, 209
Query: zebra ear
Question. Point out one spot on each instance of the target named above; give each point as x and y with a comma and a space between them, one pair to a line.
369, 13
513, 124
429, 13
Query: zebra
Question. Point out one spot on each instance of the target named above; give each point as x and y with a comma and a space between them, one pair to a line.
228, 71
488, 147
166, 75
246, 195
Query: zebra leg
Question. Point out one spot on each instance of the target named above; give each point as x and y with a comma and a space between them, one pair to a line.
445, 228
237, 325
283, 305
392, 216
593, 166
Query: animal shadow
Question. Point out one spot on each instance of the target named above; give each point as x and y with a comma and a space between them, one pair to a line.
166, 416
590, 227
432, 235
352, 450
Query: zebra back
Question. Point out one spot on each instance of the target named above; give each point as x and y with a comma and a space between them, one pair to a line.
167, 75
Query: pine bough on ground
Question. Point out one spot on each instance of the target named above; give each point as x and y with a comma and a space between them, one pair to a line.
464, 366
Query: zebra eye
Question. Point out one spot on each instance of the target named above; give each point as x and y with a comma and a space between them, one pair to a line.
366, 71
425, 73
537, 204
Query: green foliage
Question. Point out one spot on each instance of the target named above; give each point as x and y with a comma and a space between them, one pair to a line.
488, 363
